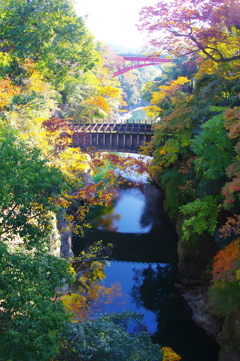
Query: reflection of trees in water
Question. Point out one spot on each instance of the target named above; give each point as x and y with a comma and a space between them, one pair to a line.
147, 215
104, 217
153, 286
153, 204
154, 289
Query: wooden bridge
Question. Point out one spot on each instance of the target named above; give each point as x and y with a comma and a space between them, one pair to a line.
114, 137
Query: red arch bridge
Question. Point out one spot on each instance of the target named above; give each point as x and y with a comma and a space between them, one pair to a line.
139, 61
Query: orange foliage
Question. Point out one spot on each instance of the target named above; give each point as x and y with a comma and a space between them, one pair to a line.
7, 92
138, 165
88, 304
227, 262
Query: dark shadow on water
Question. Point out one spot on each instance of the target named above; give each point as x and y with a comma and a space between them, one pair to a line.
147, 247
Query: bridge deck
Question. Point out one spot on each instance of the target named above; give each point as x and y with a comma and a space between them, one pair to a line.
115, 128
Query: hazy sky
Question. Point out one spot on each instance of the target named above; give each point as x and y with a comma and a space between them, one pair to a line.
113, 21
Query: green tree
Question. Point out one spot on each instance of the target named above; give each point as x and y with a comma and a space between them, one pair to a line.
28, 189
33, 319
32, 316
213, 149
47, 32
200, 216
115, 337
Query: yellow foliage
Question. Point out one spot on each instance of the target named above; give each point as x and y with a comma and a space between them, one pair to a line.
238, 274
157, 97
167, 91
153, 111
111, 91
173, 86
162, 151
208, 67
100, 102
89, 301
71, 161
169, 354
37, 102
7, 92
4, 59
76, 304
34, 80
228, 70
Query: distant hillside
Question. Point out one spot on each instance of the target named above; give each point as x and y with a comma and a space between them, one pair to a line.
122, 49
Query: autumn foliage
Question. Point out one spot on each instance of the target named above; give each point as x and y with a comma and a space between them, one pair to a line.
196, 146
186, 27
226, 263
169, 354
89, 304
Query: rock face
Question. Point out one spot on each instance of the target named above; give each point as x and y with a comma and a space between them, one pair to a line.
230, 338
55, 240
197, 300
193, 282
65, 230
66, 239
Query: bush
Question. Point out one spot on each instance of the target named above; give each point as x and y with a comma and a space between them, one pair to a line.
115, 337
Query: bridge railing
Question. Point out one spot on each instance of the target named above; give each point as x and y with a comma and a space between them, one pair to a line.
115, 121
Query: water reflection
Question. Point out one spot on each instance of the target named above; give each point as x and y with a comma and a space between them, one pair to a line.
123, 272
152, 285
145, 263
153, 289
127, 215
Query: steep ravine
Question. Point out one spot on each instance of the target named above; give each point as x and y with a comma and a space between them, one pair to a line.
193, 280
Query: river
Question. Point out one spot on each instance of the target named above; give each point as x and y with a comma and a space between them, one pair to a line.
145, 264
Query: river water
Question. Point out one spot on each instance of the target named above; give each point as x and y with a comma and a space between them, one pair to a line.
144, 262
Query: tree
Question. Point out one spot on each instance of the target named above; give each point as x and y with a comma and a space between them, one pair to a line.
186, 27
231, 188
47, 32
224, 292
33, 318
28, 187
114, 337
213, 149
32, 315
200, 216
95, 95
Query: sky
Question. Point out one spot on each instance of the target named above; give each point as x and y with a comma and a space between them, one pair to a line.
113, 21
